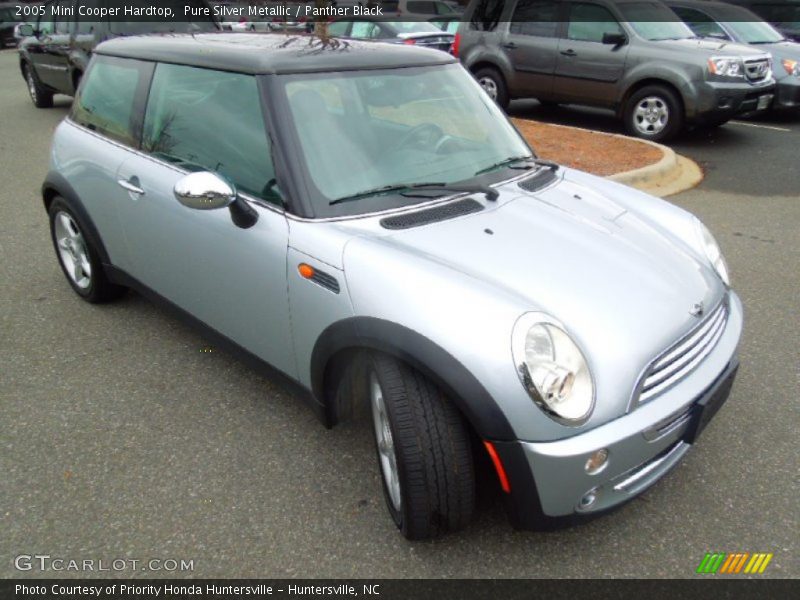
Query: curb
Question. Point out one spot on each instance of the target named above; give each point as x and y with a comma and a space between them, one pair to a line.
673, 174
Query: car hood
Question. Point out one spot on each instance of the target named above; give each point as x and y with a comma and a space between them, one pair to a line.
710, 47
581, 257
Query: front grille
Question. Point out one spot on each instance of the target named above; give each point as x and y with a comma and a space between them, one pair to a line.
682, 358
757, 69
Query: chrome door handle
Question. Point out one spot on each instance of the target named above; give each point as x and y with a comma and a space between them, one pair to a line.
569, 52
132, 188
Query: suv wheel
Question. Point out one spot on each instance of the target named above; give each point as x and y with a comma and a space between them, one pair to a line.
654, 113
41, 97
424, 451
493, 83
77, 257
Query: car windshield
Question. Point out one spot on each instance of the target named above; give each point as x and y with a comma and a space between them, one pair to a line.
414, 27
754, 32
361, 131
654, 21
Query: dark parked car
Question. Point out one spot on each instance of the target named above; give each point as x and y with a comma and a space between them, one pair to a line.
418, 33
783, 14
723, 21
9, 19
632, 56
56, 50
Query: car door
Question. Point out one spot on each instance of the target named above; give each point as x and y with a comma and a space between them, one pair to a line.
587, 70
233, 279
531, 44
53, 66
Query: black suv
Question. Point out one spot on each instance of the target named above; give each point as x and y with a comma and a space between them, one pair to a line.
9, 19
56, 49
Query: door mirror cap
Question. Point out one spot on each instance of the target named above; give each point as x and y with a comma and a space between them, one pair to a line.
204, 191
25, 30
614, 39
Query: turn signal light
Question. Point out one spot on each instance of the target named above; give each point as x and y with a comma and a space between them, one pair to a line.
498, 466
306, 271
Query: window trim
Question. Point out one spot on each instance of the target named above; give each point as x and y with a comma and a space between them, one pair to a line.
568, 21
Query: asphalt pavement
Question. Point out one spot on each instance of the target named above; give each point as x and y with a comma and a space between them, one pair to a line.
125, 436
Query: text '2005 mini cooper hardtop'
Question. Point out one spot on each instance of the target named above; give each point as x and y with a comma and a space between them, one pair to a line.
365, 220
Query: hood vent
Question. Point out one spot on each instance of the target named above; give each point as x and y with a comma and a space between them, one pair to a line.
538, 180
432, 215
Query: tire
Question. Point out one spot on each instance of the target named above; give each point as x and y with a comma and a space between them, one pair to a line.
494, 84
40, 96
78, 258
424, 451
654, 113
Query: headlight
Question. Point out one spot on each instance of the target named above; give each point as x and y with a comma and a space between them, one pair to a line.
726, 66
792, 67
552, 369
712, 251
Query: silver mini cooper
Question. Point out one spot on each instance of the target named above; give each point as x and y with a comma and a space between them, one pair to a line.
365, 222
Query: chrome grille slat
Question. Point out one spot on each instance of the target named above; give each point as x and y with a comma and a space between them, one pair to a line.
757, 69
682, 358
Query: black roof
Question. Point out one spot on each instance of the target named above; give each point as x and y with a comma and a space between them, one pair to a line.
270, 52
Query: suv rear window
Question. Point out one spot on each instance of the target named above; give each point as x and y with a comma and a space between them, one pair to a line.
200, 119
106, 98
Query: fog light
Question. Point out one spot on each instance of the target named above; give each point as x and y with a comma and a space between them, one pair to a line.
597, 462
589, 498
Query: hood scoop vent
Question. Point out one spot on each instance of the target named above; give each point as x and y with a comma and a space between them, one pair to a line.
541, 178
432, 215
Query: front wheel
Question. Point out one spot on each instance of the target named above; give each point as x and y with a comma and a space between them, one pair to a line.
654, 113
41, 97
424, 451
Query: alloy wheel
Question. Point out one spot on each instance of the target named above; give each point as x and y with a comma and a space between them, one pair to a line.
385, 442
651, 115
72, 250
490, 86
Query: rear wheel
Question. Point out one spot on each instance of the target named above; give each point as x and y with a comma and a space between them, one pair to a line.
654, 113
424, 451
41, 97
494, 84
77, 257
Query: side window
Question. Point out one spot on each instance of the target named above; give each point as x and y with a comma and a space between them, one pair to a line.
535, 17
45, 24
210, 120
589, 22
338, 28
105, 102
86, 26
700, 23
63, 25
364, 30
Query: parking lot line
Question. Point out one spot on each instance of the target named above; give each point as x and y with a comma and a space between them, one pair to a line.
772, 127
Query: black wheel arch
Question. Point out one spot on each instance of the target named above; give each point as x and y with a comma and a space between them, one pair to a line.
339, 344
56, 185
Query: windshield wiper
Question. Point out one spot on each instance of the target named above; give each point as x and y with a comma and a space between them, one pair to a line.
508, 162
491, 193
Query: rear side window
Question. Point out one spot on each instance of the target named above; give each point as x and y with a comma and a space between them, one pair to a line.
535, 17
107, 96
200, 119
589, 22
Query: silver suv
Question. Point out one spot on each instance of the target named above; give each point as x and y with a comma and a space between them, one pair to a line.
635, 57
363, 222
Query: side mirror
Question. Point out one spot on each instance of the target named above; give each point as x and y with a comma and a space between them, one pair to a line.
204, 191
25, 30
614, 39
208, 191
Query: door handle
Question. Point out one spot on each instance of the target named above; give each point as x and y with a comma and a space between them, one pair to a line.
131, 186
509, 46
569, 52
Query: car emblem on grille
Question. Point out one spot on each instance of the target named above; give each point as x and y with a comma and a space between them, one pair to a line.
697, 309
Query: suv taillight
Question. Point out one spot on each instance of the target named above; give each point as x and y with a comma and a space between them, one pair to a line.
454, 46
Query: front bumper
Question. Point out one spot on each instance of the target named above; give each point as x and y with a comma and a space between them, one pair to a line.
787, 94
549, 479
716, 101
